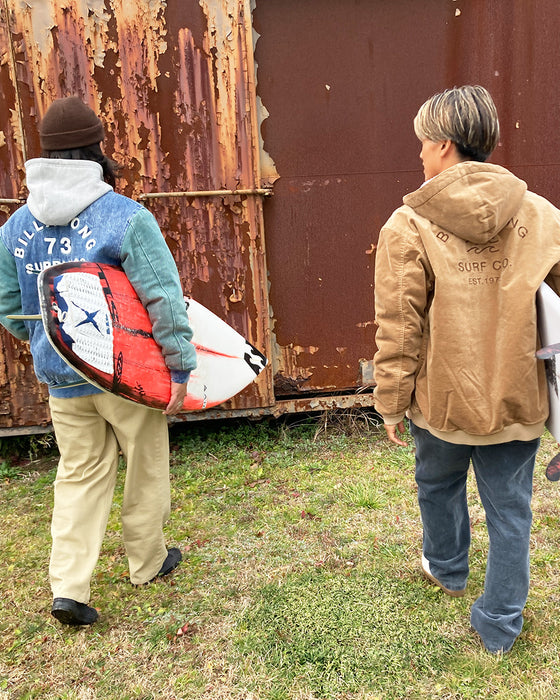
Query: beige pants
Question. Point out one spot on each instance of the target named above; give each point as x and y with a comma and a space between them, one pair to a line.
89, 431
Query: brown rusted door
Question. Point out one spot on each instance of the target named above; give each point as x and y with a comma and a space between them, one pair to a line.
173, 82
341, 81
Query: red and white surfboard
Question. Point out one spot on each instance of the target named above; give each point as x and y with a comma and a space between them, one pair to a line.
95, 320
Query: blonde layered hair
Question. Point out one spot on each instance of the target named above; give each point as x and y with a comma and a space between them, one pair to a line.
467, 116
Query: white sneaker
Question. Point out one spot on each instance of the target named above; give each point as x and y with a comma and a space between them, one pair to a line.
425, 564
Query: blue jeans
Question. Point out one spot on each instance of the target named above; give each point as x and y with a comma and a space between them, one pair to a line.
504, 477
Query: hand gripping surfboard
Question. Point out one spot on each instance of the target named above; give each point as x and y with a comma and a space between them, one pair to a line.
96, 322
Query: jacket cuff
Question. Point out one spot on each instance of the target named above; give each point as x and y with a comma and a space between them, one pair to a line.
393, 420
179, 377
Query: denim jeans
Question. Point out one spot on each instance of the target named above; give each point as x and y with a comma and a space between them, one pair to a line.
504, 477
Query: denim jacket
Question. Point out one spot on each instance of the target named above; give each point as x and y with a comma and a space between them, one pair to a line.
71, 214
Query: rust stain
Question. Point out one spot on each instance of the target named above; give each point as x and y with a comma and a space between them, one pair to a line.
175, 86
296, 366
355, 400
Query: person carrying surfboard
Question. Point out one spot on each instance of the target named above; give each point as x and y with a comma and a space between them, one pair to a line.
458, 267
73, 213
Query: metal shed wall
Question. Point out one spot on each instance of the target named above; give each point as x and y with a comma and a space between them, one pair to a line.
174, 83
342, 81
313, 100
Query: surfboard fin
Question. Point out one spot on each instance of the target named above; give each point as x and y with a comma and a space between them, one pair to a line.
548, 352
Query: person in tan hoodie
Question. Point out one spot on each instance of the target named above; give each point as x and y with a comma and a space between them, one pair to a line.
458, 267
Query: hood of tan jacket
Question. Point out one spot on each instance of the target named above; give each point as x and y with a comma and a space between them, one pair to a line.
473, 200
457, 270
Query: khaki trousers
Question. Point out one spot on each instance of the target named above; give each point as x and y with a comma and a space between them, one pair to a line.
89, 431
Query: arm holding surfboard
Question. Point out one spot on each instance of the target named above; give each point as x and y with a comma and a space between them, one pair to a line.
548, 306
152, 271
95, 320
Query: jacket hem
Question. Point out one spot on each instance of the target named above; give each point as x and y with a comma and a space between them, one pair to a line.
74, 390
516, 431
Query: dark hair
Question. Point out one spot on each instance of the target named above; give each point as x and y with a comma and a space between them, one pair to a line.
92, 152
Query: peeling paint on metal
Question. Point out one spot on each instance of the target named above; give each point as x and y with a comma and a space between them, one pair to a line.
295, 368
267, 167
174, 84
209, 96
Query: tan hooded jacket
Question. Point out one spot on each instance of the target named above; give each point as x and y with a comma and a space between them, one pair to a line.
457, 270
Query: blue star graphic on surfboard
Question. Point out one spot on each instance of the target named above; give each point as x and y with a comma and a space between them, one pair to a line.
90, 317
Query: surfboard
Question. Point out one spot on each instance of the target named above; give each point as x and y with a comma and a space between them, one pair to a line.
96, 322
548, 314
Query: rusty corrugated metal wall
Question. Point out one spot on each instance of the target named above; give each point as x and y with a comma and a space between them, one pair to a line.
174, 84
342, 81
311, 100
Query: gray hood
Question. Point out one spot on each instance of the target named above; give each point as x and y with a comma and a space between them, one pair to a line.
60, 189
473, 200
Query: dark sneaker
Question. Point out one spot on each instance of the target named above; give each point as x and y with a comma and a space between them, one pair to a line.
553, 469
171, 562
425, 564
70, 612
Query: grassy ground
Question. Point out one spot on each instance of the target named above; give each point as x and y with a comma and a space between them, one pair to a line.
300, 581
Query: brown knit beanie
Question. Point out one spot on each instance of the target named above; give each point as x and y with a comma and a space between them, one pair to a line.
69, 123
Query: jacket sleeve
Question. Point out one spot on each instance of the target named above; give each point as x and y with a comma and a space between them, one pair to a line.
10, 295
152, 271
403, 283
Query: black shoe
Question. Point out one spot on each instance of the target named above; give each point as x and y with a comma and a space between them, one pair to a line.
171, 562
70, 612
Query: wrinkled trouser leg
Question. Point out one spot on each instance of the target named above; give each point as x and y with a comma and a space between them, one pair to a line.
441, 476
83, 493
143, 436
89, 431
504, 475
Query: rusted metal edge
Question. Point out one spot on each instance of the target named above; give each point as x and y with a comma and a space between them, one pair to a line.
26, 430
310, 404
14, 72
279, 408
264, 191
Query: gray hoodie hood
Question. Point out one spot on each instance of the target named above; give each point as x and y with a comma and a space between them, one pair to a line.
60, 189
473, 200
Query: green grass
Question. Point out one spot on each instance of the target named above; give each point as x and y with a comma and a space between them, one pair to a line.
338, 633
300, 580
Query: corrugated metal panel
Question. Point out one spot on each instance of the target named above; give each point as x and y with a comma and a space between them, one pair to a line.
173, 82
342, 82
329, 128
